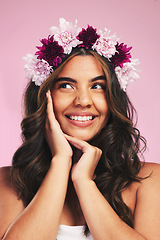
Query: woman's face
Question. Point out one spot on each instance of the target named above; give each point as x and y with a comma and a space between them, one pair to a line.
79, 98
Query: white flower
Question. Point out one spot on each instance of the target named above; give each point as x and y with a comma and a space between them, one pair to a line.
66, 35
38, 70
65, 38
127, 73
106, 44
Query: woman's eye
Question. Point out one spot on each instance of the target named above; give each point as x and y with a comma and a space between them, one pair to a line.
98, 86
65, 85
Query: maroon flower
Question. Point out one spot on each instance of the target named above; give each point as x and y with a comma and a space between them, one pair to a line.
50, 51
121, 56
88, 36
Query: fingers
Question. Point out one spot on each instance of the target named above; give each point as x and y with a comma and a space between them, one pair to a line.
49, 109
82, 145
53, 132
51, 121
86, 165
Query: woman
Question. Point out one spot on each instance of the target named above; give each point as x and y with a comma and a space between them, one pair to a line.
77, 174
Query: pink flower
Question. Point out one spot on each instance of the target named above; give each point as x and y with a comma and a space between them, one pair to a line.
106, 44
50, 51
121, 56
66, 35
88, 37
127, 73
38, 70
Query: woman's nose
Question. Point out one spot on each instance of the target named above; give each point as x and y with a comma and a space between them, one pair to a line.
83, 99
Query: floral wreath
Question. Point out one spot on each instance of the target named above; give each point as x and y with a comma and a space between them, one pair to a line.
68, 36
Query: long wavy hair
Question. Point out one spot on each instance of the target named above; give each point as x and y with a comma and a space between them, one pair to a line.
119, 140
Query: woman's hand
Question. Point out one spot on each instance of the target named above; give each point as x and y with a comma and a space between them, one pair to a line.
58, 144
84, 169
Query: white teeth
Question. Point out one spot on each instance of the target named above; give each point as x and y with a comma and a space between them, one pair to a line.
81, 119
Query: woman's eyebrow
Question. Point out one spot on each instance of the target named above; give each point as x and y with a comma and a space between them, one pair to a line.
102, 77
67, 79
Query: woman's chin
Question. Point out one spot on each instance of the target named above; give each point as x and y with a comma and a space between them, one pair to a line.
84, 137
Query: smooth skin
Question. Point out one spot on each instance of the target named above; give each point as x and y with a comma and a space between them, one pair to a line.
41, 218
80, 91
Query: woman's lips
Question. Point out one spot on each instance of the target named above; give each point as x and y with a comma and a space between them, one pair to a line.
81, 120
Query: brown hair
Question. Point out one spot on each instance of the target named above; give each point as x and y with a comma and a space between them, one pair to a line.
119, 140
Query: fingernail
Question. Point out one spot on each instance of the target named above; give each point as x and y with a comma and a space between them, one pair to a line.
46, 94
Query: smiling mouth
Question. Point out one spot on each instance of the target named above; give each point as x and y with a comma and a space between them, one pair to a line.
81, 118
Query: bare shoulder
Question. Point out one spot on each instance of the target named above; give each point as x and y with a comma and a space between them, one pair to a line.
150, 185
150, 172
10, 205
5, 181
147, 211
4, 172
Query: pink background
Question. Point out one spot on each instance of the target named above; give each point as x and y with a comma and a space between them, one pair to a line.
23, 23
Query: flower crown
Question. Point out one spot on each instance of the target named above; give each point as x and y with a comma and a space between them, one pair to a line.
68, 36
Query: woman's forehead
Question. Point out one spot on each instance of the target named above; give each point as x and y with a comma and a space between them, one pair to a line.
82, 66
